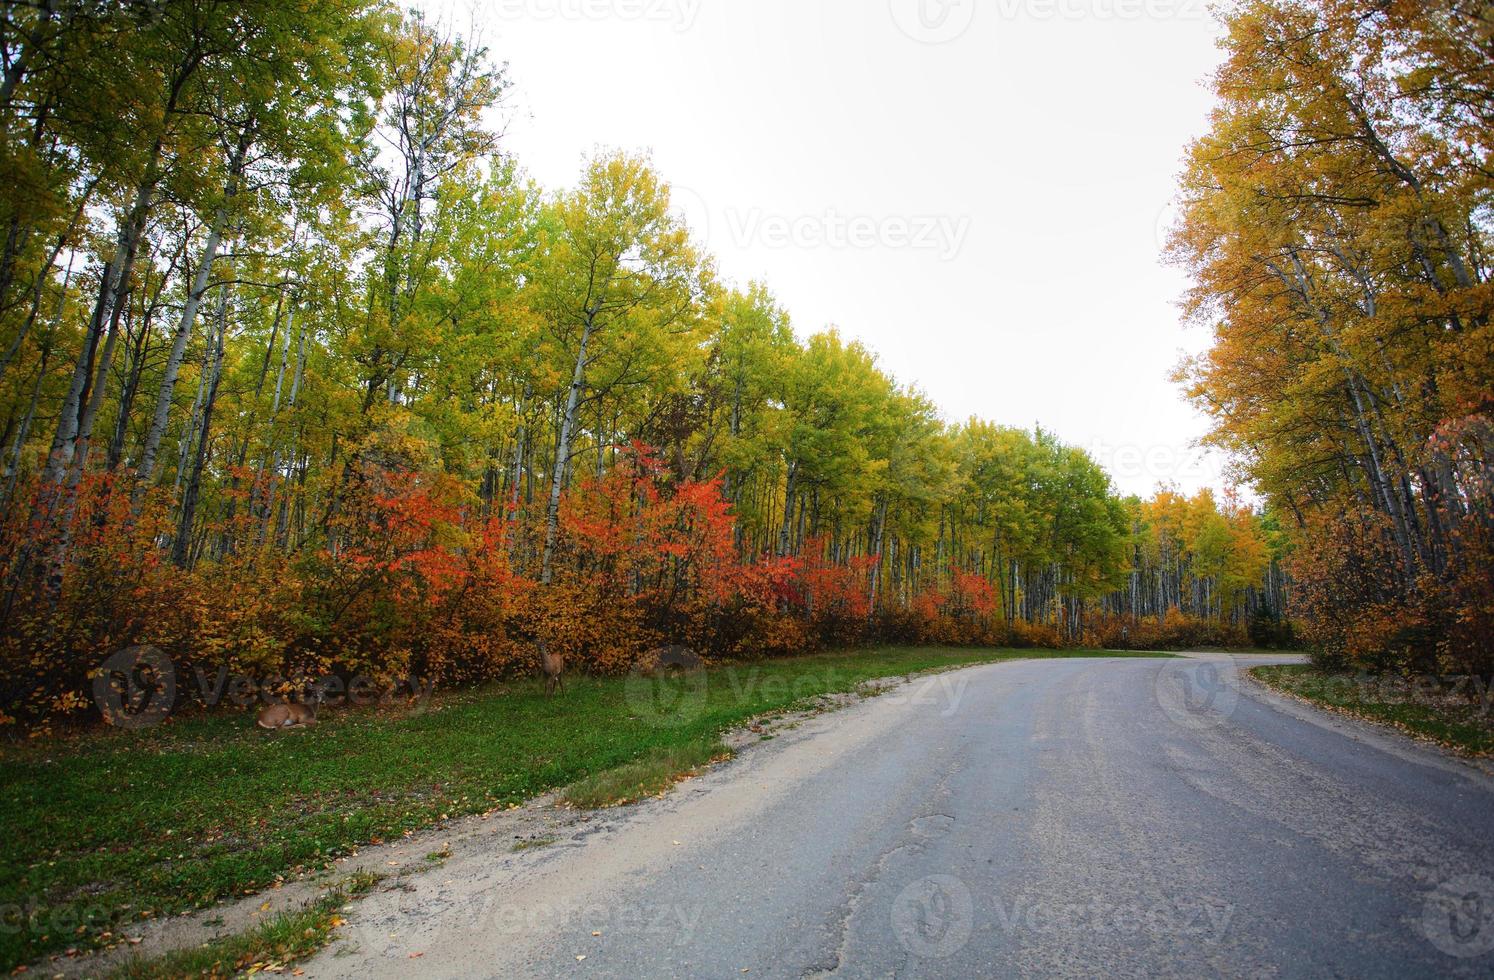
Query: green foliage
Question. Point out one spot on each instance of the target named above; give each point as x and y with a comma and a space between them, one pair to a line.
331, 385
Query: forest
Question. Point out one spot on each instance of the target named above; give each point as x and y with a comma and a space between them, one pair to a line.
302, 372
1336, 225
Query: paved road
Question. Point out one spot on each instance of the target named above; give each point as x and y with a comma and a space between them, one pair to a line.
1043, 818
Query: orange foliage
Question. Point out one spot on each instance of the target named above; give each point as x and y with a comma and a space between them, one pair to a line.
411, 577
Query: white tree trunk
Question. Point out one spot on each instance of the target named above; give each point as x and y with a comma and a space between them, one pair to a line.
563, 453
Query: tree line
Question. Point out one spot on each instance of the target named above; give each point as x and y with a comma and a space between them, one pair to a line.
302, 371
1336, 223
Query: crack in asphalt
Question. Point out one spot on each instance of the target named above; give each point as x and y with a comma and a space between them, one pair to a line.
918, 827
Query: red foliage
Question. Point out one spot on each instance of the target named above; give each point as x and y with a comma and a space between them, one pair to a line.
409, 574
972, 595
632, 531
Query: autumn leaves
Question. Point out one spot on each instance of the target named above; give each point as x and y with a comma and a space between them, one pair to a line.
1335, 226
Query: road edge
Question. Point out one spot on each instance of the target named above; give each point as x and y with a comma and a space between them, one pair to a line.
1402, 744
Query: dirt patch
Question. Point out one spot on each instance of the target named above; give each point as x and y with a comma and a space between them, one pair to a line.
537, 820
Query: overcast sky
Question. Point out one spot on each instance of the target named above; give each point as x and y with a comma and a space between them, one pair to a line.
974, 188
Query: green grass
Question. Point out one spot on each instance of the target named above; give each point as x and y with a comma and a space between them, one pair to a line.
112, 827
1456, 722
269, 947
651, 775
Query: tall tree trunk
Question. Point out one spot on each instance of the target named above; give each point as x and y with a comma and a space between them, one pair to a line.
90, 415
13, 464
785, 532
876, 569
115, 282
157, 431
37, 289
563, 452
64, 441
182, 550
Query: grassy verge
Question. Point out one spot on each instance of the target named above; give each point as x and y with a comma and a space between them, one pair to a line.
1456, 720
268, 948
111, 828
652, 774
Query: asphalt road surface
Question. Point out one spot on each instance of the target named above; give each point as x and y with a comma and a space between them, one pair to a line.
1041, 818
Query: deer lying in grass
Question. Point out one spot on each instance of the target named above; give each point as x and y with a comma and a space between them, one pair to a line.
669, 660
291, 715
554, 667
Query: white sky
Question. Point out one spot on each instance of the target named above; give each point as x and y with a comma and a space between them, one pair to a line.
1009, 164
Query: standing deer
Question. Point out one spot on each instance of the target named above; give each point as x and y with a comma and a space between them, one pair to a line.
554, 667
